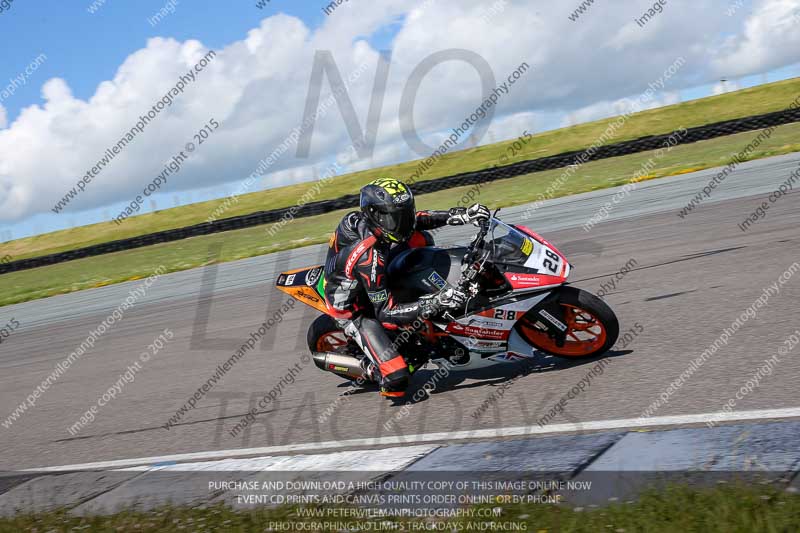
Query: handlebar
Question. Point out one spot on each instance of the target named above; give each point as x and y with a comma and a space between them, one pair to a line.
468, 270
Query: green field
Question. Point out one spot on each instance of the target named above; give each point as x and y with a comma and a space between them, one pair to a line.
189, 253
747, 102
676, 509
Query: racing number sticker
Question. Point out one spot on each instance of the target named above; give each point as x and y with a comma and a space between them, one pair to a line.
551, 265
502, 314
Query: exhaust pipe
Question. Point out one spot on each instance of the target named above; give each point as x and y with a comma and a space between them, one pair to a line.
342, 365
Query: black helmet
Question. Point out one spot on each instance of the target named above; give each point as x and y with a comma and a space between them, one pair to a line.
389, 207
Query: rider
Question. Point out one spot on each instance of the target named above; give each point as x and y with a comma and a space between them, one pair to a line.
355, 273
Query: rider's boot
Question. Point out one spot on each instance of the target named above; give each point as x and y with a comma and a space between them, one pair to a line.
395, 387
395, 377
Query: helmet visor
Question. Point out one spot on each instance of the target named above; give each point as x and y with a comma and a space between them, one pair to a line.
398, 222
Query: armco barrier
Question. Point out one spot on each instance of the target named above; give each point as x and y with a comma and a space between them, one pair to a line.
700, 133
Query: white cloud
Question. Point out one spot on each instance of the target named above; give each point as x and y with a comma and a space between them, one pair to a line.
770, 39
256, 88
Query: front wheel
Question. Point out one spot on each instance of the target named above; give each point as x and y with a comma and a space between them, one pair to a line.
592, 327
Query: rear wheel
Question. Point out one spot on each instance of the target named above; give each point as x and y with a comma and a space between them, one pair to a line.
592, 327
325, 336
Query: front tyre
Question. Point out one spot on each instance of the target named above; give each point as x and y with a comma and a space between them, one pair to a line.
592, 327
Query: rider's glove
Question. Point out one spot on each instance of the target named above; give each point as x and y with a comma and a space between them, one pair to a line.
464, 215
444, 300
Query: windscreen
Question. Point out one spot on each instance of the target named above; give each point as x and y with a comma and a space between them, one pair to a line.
507, 245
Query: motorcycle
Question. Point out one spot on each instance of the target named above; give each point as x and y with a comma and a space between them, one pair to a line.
519, 303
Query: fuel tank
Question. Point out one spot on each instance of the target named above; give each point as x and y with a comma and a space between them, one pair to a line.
419, 271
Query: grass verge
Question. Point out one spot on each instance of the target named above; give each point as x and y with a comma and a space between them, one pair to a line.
721, 509
747, 102
106, 269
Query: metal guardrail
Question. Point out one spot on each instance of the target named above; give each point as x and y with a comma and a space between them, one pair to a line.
643, 144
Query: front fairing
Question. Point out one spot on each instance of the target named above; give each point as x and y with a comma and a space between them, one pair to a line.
526, 260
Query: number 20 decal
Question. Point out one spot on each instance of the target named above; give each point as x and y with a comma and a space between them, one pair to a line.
553, 267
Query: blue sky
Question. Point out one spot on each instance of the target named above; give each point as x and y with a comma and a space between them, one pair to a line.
89, 50
86, 48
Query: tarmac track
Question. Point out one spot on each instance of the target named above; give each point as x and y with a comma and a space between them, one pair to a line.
693, 277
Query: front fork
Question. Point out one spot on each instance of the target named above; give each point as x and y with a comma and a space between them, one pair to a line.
549, 313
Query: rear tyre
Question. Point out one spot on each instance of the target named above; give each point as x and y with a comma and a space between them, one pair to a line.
592, 326
324, 335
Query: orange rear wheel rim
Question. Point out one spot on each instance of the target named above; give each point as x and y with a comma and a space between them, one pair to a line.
585, 334
333, 341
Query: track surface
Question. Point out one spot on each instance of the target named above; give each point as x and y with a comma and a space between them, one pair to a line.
694, 277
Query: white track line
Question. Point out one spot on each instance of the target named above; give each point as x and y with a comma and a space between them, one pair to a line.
626, 423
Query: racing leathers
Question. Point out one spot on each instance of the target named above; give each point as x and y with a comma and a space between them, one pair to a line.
356, 288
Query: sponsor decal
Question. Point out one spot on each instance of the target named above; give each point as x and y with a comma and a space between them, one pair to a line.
486, 323
455, 327
400, 311
553, 320
484, 346
527, 247
290, 279
307, 295
312, 276
373, 275
400, 198
478, 332
526, 280
378, 297
282, 279
355, 254
438, 281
